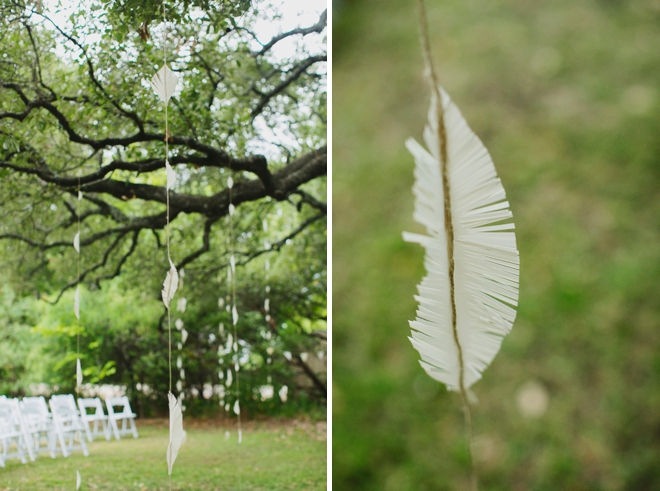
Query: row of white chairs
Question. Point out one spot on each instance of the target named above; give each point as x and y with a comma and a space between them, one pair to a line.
28, 428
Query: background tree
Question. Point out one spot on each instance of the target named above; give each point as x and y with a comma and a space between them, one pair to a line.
76, 110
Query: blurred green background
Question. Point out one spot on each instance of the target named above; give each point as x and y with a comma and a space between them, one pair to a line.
565, 95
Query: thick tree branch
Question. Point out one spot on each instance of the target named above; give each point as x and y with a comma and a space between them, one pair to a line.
318, 27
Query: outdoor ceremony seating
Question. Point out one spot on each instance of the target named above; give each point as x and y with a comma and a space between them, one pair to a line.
32, 426
126, 417
13, 435
39, 424
67, 424
95, 422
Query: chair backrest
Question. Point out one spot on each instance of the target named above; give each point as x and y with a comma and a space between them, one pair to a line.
34, 411
6, 411
113, 402
63, 405
91, 403
10, 414
35, 406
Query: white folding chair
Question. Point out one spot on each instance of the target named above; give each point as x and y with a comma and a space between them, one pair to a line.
67, 425
13, 437
126, 416
39, 423
95, 421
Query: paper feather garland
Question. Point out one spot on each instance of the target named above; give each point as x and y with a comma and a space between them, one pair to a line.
170, 285
78, 480
176, 431
76, 242
171, 175
79, 374
467, 299
164, 83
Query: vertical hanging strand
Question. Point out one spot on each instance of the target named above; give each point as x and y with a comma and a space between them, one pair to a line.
270, 350
234, 309
180, 325
76, 308
164, 84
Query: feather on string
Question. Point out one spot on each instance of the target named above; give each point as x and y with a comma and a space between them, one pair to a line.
79, 374
164, 83
485, 258
170, 285
176, 431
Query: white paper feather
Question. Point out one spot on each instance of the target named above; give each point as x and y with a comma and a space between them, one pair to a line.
78, 480
181, 304
79, 195
184, 336
171, 175
76, 302
176, 431
485, 255
237, 408
170, 285
79, 374
178, 324
234, 315
164, 83
76, 242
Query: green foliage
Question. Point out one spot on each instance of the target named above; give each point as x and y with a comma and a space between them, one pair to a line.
565, 97
140, 14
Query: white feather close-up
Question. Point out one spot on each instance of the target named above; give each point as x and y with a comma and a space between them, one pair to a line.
486, 261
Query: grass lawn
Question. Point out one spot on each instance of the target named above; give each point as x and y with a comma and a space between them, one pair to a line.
273, 455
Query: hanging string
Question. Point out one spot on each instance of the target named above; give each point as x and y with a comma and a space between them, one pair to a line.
76, 245
234, 310
167, 199
164, 84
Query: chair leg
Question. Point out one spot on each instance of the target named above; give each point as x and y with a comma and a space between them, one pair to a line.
115, 429
88, 433
83, 444
65, 449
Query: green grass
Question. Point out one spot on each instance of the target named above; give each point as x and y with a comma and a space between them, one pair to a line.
566, 96
273, 456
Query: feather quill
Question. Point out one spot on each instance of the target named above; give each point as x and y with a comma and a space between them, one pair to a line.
467, 299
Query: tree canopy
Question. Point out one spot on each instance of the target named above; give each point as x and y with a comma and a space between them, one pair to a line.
77, 112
